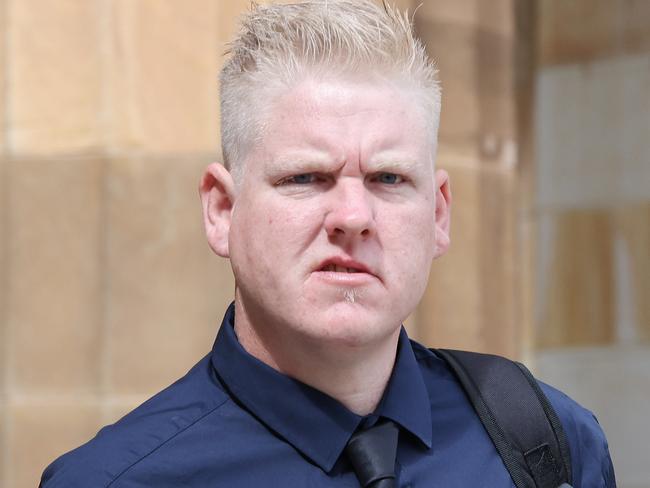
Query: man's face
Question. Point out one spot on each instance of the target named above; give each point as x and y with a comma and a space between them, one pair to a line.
332, 232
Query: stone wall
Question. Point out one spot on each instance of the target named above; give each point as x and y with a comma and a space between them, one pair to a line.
108, 291
477, 296
593, 201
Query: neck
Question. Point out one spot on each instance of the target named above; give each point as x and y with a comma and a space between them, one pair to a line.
355, 375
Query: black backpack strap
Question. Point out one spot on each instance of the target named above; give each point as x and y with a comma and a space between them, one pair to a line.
517, 415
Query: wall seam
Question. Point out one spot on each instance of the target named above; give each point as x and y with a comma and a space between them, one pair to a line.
103, 393
5, 68
6, 236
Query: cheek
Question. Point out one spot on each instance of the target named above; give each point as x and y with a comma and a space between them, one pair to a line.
292, 222
411, 227
271, 232
410, 244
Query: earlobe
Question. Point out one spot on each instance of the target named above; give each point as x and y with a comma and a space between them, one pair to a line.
217, 198
443, 212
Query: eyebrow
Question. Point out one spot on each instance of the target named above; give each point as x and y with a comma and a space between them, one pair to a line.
309, 162
304, 162
393, 164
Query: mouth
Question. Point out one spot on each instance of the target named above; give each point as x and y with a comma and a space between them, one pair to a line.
340, 269
343, 272
343, 265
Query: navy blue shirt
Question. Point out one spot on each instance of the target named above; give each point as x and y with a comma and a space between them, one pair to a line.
232, 421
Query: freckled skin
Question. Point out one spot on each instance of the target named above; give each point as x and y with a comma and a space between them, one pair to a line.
281, 230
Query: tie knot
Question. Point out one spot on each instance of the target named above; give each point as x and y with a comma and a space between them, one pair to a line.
372, 455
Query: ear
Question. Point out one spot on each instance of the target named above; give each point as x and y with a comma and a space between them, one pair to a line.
217, 192
443, 212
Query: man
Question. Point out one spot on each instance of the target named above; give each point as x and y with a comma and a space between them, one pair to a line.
330, 211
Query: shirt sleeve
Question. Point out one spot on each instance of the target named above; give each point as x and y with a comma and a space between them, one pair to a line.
591, 462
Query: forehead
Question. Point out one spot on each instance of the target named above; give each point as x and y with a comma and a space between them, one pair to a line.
347, 115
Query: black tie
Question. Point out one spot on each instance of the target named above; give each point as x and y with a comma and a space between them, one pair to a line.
372, 454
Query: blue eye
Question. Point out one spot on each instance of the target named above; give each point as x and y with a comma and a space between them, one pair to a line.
302, 179
389, 178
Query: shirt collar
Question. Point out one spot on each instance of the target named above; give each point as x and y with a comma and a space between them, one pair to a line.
314, 423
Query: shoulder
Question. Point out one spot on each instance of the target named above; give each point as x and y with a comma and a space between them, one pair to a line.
117, 448
590, 458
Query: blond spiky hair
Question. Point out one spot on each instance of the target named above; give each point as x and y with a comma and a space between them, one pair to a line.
279, 44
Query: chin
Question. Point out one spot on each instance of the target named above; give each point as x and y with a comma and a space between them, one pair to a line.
351, 325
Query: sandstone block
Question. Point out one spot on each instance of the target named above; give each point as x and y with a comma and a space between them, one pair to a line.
163, 76
449, 314
3, 282
477, 73
586, 30
471, 299
576, 292
166, 290
53, 274
41, 432
578, 31
632, 128
635, 33
593, 122
633, 226
3, 100
227, 20
3, 461
54, 69
496, 95
497, 16
405, 5
453, 47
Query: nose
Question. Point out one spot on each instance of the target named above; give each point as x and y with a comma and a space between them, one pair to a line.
351, 213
